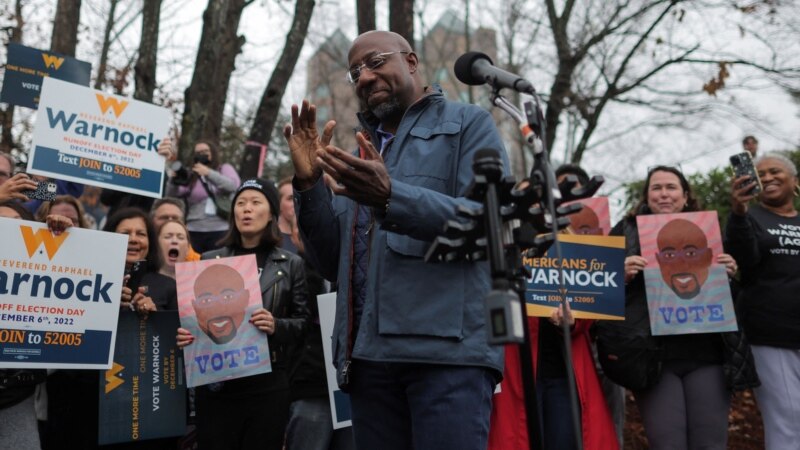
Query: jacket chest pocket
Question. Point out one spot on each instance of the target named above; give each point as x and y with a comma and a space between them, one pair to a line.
429, 156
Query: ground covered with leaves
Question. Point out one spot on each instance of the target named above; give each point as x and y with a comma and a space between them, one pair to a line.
745, 430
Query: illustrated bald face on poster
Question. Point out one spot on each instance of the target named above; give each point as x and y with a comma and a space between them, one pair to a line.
585, 222
683, 257
593, 219
687, 290
220, 301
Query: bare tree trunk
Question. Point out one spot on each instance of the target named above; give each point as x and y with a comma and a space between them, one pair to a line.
101, 67
65, 27
145, 68
267, 112
7, 114
366, 15
205, 97
401, 19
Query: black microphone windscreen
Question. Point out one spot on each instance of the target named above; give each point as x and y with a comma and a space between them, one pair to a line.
463, 67
486, 153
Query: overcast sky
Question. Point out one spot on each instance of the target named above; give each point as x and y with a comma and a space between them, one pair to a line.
265, 23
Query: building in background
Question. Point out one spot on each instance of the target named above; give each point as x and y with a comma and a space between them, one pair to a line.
438, 50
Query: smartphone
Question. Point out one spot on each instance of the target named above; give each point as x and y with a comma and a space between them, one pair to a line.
136, 271
742, 164
45, 191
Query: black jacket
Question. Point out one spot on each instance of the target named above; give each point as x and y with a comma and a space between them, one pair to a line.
284, 294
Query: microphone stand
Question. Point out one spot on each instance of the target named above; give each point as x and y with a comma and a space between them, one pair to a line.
510, 222
542, 175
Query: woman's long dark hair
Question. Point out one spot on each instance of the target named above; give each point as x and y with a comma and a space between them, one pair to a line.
152, 240
270, 237
24, 214
641, 208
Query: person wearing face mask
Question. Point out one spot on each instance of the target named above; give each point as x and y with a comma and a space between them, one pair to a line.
765, 237
251, 412
209, 180
687, 406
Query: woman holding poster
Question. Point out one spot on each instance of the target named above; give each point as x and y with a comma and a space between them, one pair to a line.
766, 238
73, 394
685, 399
251, 412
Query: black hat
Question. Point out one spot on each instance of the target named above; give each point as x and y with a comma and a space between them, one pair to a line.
267, 188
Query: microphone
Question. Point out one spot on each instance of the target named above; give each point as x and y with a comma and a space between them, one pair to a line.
476, 68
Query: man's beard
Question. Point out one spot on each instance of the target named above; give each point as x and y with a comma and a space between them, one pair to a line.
388, 109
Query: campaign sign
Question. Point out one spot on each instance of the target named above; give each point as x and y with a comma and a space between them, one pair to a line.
593, 272
59, 296
339, 401
593, 219
216, 298
143, 395
27, 67
687, 290
104, 140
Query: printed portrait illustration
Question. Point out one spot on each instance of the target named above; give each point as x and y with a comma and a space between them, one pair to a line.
216, 298
585, 222
593, 219
220, 302
687, 289
683, 257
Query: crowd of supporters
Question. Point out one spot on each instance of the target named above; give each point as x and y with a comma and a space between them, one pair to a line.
209, 212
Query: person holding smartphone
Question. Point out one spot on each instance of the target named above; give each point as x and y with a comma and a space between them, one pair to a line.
765, 238
72, 405
13, 185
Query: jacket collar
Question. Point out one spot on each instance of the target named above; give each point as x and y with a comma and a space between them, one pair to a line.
269, 274
370, 123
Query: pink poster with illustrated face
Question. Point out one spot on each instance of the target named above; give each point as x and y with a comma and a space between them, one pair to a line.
687, 290
216, 298
594, 219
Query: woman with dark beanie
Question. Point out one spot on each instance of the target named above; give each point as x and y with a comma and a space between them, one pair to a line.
251, 412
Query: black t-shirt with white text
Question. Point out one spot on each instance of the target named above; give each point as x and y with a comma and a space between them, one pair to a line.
767, 248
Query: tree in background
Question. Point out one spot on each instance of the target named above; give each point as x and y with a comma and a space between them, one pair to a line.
100, 79
365, 9
401, 19
65, 27
7, 114
712, 189
623, 52
270, 104
145, 68
204, 99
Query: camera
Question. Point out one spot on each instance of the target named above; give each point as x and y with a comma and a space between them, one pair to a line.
182, 174
202, 159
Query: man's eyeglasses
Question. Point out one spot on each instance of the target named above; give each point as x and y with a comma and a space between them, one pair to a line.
688, 254
371, 63
224, 297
